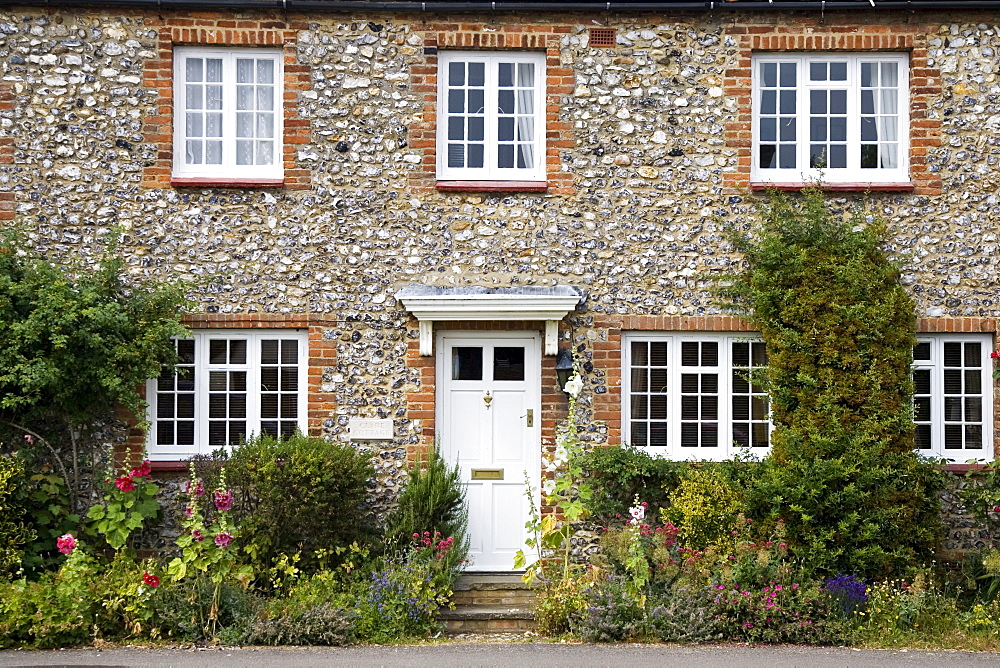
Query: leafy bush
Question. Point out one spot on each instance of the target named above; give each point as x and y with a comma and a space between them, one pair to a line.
13, 532
705, 507
686, 614
184, 610
557, 603
301, 494
433, 502
839, 329
621, 474
779, 613
612, 614
321, 624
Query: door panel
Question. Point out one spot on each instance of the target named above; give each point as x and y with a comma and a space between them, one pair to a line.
488, 384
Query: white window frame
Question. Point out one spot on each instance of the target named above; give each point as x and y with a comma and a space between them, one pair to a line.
938, 418
228, 169
489, 172
202, 368
727, 448
853, 173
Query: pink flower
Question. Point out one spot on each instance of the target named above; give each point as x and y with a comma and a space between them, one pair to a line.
188, 511
151, 579
66, 543
125, 483
197, 490
224, 500
142, 470
30, 439
223, 538
197, 536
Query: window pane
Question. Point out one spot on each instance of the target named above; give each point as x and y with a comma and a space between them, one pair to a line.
193, 69
456, 74
769, 74
508, 363
467, 363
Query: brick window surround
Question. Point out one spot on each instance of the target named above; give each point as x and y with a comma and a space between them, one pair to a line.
559, 82
607, 353
217, 29
322, 354
807, 36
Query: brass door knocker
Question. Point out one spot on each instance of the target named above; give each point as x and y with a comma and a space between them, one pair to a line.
487, 400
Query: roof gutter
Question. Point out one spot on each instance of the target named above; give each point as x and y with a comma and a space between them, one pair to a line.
447, 6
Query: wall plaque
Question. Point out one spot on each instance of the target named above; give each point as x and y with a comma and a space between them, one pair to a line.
367, 429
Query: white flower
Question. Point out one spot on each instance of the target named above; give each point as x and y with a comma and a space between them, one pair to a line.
638, 513
574, 385
561, 456
549, 487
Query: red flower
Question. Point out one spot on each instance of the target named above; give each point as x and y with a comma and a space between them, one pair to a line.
66, 543
996, 509
151, 579
142, 470
224, 500
995, 354
197, 535
125, 483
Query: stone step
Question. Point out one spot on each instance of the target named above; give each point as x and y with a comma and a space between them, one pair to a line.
487, 619
508, 597
489, 582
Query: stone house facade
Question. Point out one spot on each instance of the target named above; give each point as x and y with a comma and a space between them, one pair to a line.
393, 262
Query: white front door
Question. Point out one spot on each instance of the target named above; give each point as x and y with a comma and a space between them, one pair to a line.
489, 424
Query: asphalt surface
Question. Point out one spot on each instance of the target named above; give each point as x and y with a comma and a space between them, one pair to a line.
504, 654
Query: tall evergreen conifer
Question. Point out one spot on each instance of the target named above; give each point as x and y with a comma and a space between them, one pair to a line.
843, 474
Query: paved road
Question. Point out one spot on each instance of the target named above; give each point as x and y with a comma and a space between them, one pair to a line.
515, 655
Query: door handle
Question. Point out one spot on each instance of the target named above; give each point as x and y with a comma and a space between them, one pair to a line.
531, 417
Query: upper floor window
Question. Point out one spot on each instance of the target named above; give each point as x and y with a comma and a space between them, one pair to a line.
228, 385
952, 397
692, 396
491, 116
834, 118
227, 113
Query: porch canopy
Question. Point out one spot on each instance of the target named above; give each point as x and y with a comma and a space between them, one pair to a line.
430, 303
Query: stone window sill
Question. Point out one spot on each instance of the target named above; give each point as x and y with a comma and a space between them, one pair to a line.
493, 186
834, 187
202, 181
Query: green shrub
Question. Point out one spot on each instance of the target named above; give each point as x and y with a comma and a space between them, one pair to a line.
433, 502
321, 624
182, 609
611, 612
706, 507
839, 330
557, 603
13, 532
301, 494
621, 474
686, 614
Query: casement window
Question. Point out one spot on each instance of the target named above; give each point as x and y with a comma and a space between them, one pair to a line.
953, 398
227, 113
229, 384
491, 116
834, 118
690, 396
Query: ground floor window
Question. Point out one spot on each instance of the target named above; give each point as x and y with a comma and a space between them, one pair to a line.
229, 384
692, 396
952, 399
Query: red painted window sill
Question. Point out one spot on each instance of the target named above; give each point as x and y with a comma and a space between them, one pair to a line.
493, 186
168, 466
835, 187
202, 181
962, 469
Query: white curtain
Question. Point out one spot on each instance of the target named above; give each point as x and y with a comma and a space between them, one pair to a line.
525, 113
887, 109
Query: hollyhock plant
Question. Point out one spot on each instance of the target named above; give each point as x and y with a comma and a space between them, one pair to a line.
66, 544
143, 470
150, 580
223, 538
125, 483
224, 500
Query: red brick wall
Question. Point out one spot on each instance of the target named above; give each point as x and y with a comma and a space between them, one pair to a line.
223, 29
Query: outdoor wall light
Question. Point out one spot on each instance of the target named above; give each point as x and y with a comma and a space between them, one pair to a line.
564, 368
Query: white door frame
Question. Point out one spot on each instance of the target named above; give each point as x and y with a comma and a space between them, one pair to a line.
533, 380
